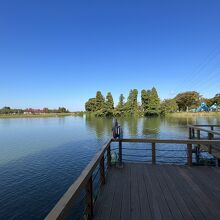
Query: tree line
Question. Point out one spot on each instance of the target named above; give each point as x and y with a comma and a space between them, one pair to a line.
7, 110
150, 105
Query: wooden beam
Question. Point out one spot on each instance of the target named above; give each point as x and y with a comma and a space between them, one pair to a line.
120, 152
109, 156
153, 153
89, 199
189, 150
206, 126
190, 133
167, 141
193, 132
102, 170
210, 137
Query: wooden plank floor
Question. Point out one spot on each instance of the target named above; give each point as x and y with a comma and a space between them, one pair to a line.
140, 191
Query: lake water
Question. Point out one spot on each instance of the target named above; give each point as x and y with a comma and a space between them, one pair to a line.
41, 157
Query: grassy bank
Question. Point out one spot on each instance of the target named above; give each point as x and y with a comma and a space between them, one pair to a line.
193, 114
47, 115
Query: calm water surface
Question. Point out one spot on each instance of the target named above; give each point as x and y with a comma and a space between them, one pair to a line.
41, 157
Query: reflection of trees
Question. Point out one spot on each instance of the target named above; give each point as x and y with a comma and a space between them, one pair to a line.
146, 127
151, 126
179, 121
132, 125
102, 126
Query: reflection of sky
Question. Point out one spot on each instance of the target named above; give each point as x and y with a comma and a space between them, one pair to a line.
22, 137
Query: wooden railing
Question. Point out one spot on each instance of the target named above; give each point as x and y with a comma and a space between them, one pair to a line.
199, 128
195, 132
85, 181
188, 143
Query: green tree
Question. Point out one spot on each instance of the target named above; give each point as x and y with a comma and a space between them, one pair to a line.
145, 99
107, 109
109, 102
216, 99
132, 104
168, 106
90, 105
154, 103
187, 100
6, 110
62, 110
45, 110
120, 109
121, 102
100, 101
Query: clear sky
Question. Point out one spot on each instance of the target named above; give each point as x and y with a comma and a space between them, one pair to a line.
59, 53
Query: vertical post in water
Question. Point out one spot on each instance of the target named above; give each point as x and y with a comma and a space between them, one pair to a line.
109, 155
190, 133
89, 199
189, 156
210, 136
120, 152
153, 153
102, 170
212, 127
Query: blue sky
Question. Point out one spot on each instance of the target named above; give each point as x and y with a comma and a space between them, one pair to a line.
59, 53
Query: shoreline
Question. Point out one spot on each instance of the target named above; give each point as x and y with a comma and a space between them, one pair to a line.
46, 115
193, 114
50, 115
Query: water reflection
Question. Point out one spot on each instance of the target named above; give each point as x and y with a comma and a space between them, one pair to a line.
154, 127
101, 126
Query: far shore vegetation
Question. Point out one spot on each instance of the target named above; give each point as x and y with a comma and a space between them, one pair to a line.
183, 104
7, 112
150, 105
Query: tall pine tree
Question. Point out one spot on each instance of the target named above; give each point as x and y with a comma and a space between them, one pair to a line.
154, 104
109, 102
100, 101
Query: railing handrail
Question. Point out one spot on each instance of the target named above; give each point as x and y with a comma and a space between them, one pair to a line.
60, 209
206, 125
166, 141
203, 129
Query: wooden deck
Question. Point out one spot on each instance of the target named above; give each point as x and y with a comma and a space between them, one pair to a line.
140, 191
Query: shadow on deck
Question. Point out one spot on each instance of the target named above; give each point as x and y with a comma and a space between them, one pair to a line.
140, 191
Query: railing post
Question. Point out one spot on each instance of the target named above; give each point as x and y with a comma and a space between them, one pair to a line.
210, 137
153, 153
212, 127
198, 145
198, 137
190, 133
102, 170
120, 152
193, 132
189, 156
89, 199
109, 156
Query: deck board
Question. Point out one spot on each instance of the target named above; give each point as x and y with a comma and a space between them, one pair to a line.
140, 191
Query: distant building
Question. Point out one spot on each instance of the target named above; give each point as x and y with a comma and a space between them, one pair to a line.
33, 111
